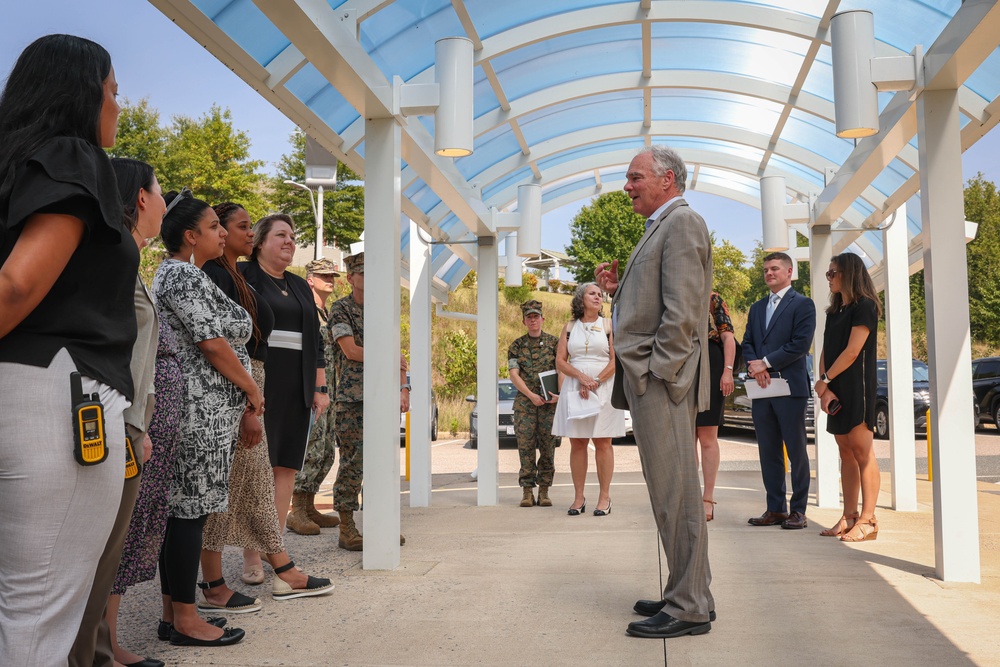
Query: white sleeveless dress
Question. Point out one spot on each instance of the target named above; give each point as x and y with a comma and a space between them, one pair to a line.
589, 352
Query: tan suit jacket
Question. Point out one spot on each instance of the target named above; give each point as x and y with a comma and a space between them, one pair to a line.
661, 307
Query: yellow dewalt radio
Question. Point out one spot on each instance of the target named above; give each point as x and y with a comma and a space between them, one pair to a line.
131, 462
89, 446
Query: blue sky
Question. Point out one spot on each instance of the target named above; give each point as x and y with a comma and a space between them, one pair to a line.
153, 58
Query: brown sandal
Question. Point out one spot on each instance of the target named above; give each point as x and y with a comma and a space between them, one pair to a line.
838, 528
866, 531
710, 515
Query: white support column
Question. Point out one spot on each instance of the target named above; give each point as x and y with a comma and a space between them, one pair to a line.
900, 354
486, 384
382, 280
420, 369
827, 453
956, 513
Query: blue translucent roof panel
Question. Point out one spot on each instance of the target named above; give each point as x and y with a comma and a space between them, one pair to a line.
484, 99
715, 47
247, 26
581, 114
986, 79
755, 115
892, 177
908, 23
400, 37
632, 144
324, 100
814, 8
491, 17
490, 148
515, 178
798, 170
562, 59
805, 130
729, 180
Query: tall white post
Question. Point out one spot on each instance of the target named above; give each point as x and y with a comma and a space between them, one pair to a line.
486, 374
382, 280
318, 253
827, 453
956, 514
900, 353
420, 369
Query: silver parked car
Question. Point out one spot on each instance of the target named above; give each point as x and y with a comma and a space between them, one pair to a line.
506, 392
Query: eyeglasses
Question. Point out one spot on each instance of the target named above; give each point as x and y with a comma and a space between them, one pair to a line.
185, 192
831, 273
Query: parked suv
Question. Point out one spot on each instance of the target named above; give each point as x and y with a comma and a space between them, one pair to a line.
986, 385
921, 397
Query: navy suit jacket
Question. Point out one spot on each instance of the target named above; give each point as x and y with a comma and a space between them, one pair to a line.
786, 341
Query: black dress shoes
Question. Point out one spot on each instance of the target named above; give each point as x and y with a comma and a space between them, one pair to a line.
654, 607
665, 626
768, 518
795, 521
164, 628
147, 662
229, 636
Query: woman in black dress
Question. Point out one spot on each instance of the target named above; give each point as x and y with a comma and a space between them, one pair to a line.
846, 389
295, 367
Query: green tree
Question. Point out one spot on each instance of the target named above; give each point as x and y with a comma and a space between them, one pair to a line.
212, 158
982, 205
605, 230
343, 207
729, 276
140, 135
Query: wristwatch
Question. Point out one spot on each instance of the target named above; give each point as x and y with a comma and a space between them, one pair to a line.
824, 378
406, 387
729, 367
322, 389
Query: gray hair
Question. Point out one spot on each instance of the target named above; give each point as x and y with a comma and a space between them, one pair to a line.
666, 159
576, 304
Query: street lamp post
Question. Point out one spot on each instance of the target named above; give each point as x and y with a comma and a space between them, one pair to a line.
317, 209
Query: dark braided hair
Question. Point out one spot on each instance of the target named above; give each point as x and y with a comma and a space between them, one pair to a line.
248, 300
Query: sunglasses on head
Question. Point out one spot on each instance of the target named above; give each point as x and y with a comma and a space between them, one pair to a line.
185, 192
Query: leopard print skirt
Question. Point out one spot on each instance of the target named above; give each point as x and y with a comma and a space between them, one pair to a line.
252, 520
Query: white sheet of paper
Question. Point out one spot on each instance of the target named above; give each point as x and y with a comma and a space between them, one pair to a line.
778, 387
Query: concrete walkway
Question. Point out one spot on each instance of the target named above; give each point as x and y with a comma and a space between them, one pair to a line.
515, 586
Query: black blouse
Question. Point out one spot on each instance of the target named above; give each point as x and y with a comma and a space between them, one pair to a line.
90, 309
257, 345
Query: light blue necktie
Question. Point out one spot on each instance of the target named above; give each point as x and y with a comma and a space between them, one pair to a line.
772, 306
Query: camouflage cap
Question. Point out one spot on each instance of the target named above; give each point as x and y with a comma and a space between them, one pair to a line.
323, 267
529, 307
355, 263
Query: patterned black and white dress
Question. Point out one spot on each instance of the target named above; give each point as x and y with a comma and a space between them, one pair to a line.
197, 310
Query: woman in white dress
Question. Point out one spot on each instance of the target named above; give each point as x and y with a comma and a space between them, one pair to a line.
585, 359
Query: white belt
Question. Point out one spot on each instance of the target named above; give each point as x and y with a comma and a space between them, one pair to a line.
290, 340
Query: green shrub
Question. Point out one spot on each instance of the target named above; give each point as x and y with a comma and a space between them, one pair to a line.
459, 365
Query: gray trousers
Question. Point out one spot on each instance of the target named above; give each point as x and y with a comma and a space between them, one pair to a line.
57, 515
665, 437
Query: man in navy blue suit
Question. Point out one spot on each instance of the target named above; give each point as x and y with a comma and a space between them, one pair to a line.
779, 332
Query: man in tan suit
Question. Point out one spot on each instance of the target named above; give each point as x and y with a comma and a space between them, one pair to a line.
660, 316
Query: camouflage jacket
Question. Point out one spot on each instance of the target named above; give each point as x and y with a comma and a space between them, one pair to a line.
347, 318
530, 356
331, 350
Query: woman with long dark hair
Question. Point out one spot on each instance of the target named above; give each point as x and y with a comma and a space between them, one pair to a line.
212, 332
846, 389
251, 521
67, 276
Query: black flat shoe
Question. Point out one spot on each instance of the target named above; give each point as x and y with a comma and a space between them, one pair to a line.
229, 636
665, 626
164, 628
599, 512
577, 511
147, 662
654, 607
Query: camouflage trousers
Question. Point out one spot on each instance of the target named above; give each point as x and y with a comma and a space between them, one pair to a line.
320, 453
350, 431
533, 427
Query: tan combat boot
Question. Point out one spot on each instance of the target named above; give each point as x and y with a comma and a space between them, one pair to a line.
528, 499
543, 496
298, 519
317, 517
350, 538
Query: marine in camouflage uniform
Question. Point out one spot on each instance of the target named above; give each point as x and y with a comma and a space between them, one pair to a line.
322, 449
528, 356
347, 318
